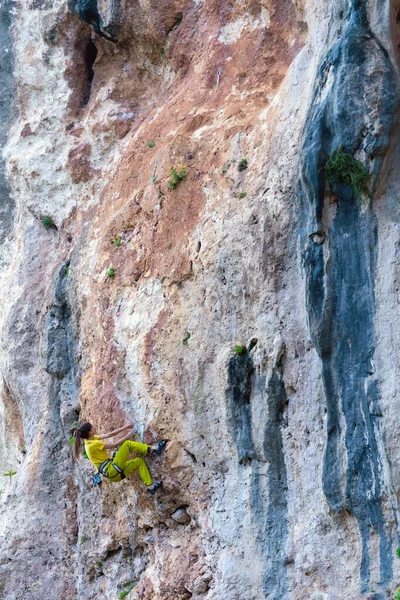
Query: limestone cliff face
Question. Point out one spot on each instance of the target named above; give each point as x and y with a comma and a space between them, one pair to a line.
282, 474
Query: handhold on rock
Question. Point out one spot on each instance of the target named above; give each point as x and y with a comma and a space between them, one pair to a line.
200, 586
318, 237
181, 516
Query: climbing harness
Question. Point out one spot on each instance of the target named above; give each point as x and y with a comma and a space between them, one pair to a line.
103, 470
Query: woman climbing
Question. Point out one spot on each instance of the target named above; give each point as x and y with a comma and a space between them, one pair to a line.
118, 467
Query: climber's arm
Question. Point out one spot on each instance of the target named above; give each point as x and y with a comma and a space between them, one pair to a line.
116, 431
113, 445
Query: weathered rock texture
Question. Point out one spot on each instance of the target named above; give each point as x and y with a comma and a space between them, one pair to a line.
282, 474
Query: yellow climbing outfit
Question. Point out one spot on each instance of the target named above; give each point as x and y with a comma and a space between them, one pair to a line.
95, 449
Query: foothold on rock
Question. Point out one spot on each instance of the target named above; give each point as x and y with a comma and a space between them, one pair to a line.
181, 516
318, 237
200, 586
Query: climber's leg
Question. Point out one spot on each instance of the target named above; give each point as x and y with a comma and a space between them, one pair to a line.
126, 448
138, 464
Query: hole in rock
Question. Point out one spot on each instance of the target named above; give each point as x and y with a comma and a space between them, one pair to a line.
90, 58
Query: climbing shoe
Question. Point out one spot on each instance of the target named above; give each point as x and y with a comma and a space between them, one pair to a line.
153, 488
160, 447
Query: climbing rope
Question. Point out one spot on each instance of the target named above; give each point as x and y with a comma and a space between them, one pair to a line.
141, 426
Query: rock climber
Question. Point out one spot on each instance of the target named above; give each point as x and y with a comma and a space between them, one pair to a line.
118, 466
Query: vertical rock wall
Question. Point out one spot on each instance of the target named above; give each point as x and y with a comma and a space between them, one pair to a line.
281, 474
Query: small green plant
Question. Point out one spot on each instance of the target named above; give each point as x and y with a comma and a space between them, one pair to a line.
67, 271
242, 195
344, 168
10, 474
160, 52
169, 245
242, 165
151, 144
117, 241
123, 594
111, 272
397, 596
175, 176
186, 338
398, 552
240, 350
2, 491
47, 222
84, 539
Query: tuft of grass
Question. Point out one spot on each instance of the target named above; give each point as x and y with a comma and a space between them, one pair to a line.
9, 473
47, 222
175, 176
151, 144
242, 195
242, 165
84, 539
111, 272
398, 552
343, 167
117, 241
67, 271
123, 594
397, 596
160, 52
169, 245
240, 350
186, 338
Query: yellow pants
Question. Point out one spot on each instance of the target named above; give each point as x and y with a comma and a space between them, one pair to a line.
130, 466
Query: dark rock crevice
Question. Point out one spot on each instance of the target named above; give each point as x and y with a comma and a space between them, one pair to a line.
355, 104
240, 371
7, 92
88, 11
269, 506
62, 364
90, 55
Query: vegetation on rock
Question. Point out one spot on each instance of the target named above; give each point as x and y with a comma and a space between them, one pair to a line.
240, 350
344, 168
175, 176
47, 222
242, 166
